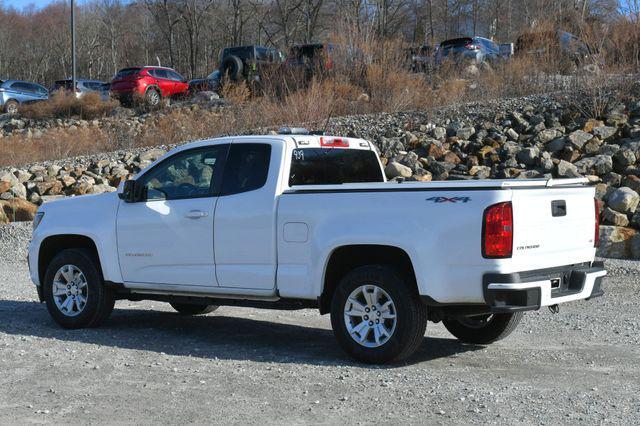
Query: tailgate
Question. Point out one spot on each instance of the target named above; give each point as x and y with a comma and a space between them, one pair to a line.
553, 226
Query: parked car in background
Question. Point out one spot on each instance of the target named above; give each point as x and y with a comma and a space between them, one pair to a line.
326, 57
211, 83
151, 84
14, 93
248, 62
83, 86
566, 50
474, 50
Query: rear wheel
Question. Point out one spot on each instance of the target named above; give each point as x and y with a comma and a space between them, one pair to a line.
74, 290
232, 68
377, 316
152, 97
483, 329
11, 107
190, 309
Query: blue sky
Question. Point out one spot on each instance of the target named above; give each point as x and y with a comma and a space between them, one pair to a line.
22, 4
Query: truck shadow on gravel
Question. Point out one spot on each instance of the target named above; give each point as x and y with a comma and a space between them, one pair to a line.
210, 336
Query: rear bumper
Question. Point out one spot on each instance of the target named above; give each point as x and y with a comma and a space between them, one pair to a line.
524, 291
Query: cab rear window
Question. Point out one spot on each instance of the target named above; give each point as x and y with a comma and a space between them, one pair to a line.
330, 166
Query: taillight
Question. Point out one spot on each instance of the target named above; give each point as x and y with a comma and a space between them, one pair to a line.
596, 236
497, 231
334, 142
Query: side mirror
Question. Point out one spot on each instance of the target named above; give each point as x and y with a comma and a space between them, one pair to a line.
128, 193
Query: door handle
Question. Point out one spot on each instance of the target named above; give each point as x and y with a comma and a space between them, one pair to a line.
196, 214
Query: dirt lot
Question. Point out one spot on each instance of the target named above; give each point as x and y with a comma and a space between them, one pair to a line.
149, 364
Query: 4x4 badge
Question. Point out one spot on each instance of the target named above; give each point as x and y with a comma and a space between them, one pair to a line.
449, 199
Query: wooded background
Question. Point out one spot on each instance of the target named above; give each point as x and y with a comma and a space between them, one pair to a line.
189, 34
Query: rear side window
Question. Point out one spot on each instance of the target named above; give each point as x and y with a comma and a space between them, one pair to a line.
174, 75
36, 88
247, 168
126, 72
160, 73
22, 86
456, 42
328, 166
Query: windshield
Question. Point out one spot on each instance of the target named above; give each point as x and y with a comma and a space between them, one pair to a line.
328, 166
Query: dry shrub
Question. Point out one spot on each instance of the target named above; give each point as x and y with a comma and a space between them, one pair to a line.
236, 93
54, 144
63, 104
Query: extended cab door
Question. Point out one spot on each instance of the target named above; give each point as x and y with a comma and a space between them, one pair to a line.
244, 226
166, 237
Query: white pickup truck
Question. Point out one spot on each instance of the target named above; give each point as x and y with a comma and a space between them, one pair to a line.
306, 221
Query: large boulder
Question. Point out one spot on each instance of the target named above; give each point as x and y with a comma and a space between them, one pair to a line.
624, 200
579, 138
567, 170
528, 156
598, 165
604, 132
390, 147
18, 210
612, 217
617, 242
395, 169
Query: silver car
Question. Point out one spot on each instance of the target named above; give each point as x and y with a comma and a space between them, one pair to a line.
14, 93
83, 86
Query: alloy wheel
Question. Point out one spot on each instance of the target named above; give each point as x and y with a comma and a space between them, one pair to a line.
70, 290
370, 316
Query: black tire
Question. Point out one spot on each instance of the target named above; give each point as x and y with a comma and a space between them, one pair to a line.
190, 309
411, 315
152, 97
99, 298
11, 107
232, 68
484, 329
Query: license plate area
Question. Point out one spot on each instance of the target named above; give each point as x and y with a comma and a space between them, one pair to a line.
565, 283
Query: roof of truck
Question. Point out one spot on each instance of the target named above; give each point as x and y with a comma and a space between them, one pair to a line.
299, 141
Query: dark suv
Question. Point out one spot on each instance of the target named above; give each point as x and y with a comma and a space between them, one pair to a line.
476, 50
246, 62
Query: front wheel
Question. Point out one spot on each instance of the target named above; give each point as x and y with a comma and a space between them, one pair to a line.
11, 107
191, 309
377, 316
483, 329
74, 290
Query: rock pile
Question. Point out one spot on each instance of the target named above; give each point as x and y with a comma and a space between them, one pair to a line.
22, 189
532, 137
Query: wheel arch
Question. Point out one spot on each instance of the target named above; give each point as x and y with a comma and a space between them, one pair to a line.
344, 259
155, 87
54, 244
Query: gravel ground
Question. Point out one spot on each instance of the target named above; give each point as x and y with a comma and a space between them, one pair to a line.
239, 365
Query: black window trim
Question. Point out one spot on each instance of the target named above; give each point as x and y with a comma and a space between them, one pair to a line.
216, 178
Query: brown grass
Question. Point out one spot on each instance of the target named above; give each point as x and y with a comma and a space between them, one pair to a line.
63, 104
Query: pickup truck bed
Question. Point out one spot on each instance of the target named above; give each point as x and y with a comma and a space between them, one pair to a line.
309, 221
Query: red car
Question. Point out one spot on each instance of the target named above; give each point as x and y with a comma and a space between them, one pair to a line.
149, 83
